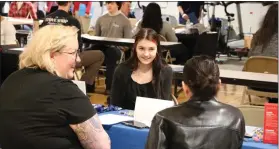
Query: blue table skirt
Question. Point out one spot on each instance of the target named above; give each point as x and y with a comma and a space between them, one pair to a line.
125, 137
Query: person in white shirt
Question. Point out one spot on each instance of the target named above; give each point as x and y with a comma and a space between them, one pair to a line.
8, 32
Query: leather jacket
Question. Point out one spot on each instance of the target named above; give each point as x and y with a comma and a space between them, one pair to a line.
197, 124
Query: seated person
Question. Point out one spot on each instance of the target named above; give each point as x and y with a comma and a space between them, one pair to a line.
41, 108
112, 24
22, 9
202, 122
91, 60
8, 32
265, 40
190, 10
152, 18
144, 74
83, 20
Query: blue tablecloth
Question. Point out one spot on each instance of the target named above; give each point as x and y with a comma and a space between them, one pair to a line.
125, 137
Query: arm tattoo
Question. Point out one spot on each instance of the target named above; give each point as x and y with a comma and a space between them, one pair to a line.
91, 134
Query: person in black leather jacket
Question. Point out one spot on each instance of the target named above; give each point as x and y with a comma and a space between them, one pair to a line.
202, 122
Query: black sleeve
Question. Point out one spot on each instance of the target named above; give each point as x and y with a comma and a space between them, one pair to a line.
73, 103
242, 130
179, 4
44, 23
167, 82
118, 86
156, 137
201, 3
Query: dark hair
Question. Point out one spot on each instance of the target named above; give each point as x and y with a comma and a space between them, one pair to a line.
2, 4
268, 27
157, 64
62, 3
118, 3
152, 17
201, 74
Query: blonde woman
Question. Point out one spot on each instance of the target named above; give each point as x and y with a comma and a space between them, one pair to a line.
40, 107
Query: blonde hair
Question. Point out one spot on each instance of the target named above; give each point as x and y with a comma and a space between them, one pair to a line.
49, 39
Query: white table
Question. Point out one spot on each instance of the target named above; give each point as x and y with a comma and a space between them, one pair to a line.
21, 21
252, 79
119, 41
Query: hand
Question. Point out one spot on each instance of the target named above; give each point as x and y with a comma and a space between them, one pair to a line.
185, 16
87, 15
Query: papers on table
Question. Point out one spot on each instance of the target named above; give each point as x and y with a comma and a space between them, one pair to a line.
250, 130
110, 119
81, 85
146, 109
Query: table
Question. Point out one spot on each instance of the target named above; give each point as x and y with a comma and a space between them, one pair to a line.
258, 80
125, 137
119, 41
21, 21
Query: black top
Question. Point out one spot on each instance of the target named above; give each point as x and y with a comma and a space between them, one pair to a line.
197, 124
125, 89
63, 18
191, 6
36, 109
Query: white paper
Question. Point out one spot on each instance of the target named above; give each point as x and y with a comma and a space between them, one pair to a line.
250, 130
81, 85
146, 109
110, 119
176, 68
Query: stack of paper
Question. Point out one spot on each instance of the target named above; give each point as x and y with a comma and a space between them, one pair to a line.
110, 119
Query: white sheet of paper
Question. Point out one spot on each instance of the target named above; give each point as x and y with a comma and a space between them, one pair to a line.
176, 68
250, 130
146, 109
110, 119
81, 85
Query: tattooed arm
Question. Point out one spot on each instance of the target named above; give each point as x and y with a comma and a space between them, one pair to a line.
91, 134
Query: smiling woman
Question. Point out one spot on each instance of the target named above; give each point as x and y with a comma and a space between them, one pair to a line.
49, 50
144, 74
40, 107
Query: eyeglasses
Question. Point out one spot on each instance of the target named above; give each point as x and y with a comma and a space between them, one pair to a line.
75, 53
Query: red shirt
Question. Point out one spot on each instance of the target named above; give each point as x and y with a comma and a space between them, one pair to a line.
87, 4
26, 8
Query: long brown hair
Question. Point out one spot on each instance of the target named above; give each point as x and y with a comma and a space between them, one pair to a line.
152, 17
157, 64
268, 28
